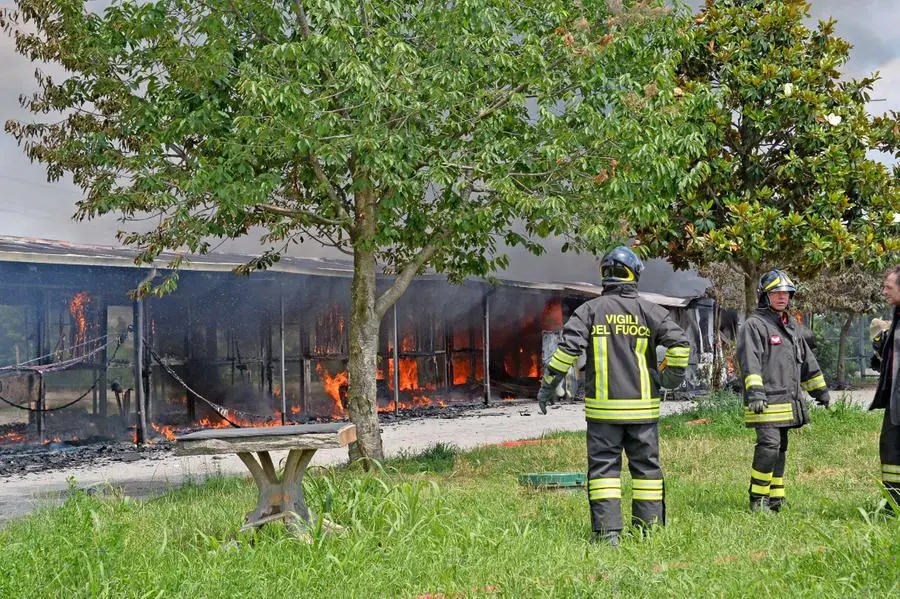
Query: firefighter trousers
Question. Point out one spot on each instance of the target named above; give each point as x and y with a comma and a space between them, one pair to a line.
889, 451
605, 443
767, 474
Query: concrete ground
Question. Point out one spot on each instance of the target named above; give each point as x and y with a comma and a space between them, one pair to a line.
21, 494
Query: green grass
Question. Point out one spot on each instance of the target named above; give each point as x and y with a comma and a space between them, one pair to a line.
457, 524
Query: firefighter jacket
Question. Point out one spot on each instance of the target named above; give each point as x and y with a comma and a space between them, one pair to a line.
619, 333
777, 364
887, 394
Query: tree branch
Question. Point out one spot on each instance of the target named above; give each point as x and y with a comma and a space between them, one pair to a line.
363, 17
322, 178
404, 278
298, 213
301, 19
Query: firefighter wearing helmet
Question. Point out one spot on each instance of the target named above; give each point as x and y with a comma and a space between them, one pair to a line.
778, 366
619, 333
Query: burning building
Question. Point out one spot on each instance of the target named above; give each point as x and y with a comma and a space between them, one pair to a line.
80, 358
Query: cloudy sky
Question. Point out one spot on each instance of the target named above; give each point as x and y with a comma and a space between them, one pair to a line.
31, 206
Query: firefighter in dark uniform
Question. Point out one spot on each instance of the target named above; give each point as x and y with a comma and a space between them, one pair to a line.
777, 364
887, 393
619, 333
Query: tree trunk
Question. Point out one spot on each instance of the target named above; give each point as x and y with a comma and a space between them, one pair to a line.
717, 378
842, 350
365, 323
751, 279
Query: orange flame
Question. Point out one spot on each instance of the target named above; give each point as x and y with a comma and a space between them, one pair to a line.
77, 308
166, 431
462, 369
461, 338
333, 384
552, 317
12, 437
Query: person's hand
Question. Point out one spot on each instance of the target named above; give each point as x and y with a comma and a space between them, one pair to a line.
546, 395
757, 406
824, 400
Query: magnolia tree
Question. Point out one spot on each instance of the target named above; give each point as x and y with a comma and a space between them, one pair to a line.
408, 135
786, 177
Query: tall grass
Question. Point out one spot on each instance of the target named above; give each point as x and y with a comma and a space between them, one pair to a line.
457, 524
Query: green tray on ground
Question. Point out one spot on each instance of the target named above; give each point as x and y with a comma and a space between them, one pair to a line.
553, 480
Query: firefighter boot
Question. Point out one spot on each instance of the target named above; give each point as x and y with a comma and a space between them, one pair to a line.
610, 538
759, 504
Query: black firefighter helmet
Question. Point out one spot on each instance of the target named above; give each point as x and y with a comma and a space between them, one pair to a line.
774, 280
620, 265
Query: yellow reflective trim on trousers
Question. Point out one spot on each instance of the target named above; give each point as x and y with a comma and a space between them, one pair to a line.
777, 493
623, 415
890, 468
647, 483
647, 495
759, 489
777, 481
890, 477
597, 483
814, 384
605, 494
640, 351
764, 476
753, 380
605, 488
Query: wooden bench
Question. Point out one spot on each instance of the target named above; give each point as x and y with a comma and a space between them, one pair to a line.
279, 498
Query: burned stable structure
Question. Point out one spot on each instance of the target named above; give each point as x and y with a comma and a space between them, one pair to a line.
79, 359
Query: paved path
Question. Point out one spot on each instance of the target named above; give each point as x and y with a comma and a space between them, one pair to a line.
21, 494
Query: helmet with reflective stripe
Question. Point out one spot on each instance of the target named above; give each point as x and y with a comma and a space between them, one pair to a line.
620, 265
774, 280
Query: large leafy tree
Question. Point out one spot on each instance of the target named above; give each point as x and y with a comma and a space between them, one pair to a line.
407, 134
787, 178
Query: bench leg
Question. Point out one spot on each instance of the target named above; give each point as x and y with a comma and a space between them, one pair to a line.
281, 499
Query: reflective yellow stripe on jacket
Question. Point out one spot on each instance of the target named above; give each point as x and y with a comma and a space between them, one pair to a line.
782, 412
677, 357
621, 409
814, 384
561, 361
753, 380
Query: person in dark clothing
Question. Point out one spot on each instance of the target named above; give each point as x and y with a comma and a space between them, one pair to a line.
619, 332
776, 363
887, 393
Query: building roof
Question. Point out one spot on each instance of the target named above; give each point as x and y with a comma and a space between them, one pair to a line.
28, 250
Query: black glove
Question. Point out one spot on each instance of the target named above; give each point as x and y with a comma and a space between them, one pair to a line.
546, 395
824, 400
757, 406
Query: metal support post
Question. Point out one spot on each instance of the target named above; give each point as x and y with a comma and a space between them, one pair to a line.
486, 353
396, 358
138, 323
283, 373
